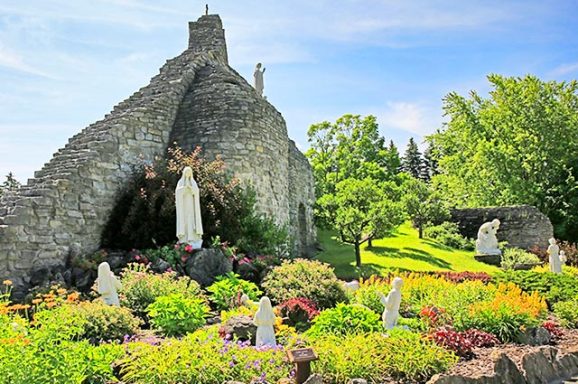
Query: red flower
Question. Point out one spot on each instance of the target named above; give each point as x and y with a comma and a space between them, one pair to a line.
188, 248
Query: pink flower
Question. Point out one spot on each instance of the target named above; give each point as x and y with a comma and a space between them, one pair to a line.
188, 248
137, 257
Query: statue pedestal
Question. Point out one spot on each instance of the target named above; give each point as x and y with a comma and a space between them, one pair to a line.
489, 259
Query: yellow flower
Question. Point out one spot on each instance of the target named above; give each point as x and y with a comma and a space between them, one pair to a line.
61, 291
7, 282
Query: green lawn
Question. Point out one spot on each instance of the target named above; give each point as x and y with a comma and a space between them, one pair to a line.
402, 251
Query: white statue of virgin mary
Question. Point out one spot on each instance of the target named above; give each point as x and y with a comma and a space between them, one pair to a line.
108, 285
189, 225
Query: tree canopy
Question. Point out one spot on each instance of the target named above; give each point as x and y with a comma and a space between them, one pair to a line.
517, 146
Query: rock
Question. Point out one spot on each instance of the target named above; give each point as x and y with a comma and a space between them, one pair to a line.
160, 266
286, 380
205, 265
233, 382
241, 327
116, 260
315, 378
540, 366
39, 276
535, 336
505, 369
357, 381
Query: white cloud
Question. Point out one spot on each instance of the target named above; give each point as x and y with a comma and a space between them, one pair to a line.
565, 69
415, 118
13, 60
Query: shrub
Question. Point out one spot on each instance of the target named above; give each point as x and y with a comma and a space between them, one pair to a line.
177, 315
299, 312
460, 277
453, 341
344, 319
140, 287
401, 355
554, 328
449, 235
480, 339
227, 290
370, 291
203, 357
310, 279
96, 320
553, 286
567, 312
514, 256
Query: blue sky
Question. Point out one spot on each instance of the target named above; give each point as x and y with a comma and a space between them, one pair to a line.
65, 64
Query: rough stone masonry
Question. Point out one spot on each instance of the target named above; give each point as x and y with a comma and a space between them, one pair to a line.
196, 99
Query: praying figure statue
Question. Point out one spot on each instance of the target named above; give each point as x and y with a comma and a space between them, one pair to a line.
265, 320
554, 257
391, 304
258, 75
487, 242
189, 225
108, 285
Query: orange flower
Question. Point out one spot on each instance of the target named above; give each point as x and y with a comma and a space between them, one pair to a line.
36, 301
7, 282
50, 304
61, 291
72, 297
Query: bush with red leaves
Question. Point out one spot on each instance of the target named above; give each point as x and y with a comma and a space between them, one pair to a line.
554, 328
460, 277
299, 311
480, 339
453, 341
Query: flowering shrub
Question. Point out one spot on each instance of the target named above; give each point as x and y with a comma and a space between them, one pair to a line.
344, 319
401, 355
434, 316
140, 287
299, 312
310, 279
226, 291
203, 357
177, 315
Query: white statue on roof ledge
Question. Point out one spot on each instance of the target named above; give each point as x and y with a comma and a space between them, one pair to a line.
487, 242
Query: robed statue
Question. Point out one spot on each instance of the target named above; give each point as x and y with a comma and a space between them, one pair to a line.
189, 224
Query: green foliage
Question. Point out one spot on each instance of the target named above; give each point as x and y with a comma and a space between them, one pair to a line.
423, 204
261, 235
514, 256
177, 314
376, 357
227, 290
369, 293
344, 319
310, 279
203, 358
10, 184
554, 287
447, 233
45, 353
140, 287
412, 162
515, 147
94, 321
362, 210
567, 312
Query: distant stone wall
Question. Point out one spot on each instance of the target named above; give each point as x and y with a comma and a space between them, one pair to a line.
521, 226
196, 99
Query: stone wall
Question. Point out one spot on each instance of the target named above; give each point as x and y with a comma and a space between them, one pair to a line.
521, 226
198, 98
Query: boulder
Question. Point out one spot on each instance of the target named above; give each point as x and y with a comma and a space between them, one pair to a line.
535, 336
206, 264
315, 378
241, 328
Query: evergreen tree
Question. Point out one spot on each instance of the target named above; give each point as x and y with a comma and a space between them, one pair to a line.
430, 164
392, 160
9, 184
412, 162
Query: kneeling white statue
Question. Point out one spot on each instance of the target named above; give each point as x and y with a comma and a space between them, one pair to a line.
487, 242
108, 285
391, 304
554, 257
187, 201
265, 320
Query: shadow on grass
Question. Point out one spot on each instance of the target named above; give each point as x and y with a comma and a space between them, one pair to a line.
437, 245
415, 254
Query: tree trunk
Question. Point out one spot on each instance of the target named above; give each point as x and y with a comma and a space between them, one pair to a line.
357, 254
369, 243
420, 230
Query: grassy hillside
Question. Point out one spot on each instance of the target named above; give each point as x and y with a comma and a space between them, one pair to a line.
402, 251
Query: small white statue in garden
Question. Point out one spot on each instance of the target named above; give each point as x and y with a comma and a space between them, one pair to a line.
391, 304
554, 257
563, 258
351, 286
265, 320
187, 201
108, 285
258, 76
487, 242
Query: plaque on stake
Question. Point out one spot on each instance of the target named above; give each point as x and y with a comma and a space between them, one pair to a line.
302, 359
